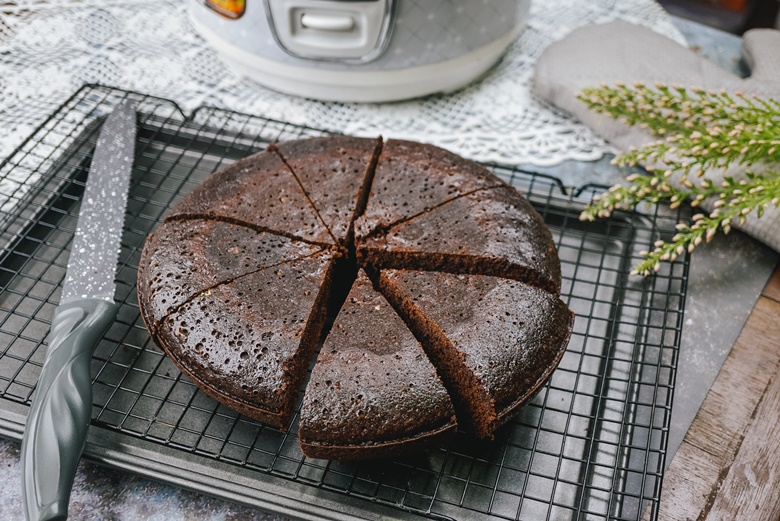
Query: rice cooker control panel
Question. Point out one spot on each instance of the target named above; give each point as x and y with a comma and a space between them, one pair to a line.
331, 29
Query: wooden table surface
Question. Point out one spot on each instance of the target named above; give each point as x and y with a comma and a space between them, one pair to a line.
728, 466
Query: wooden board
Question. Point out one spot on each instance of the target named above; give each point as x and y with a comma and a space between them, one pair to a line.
772, 289
728, 466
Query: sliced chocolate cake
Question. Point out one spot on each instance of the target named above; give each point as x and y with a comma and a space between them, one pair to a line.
412, 178
372, 393
494, 341
334, 173
184, 258
249, 342
489, 232
266, 261
258, 191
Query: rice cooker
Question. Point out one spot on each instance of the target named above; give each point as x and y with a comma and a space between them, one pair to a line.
360, 50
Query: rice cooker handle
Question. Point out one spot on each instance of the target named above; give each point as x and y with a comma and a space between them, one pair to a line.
332, 30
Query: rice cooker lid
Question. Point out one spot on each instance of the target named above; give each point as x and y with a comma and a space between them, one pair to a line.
338, 30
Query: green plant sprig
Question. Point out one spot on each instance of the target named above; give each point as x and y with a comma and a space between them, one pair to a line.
699, 128
648, 189
736, 201
698, 132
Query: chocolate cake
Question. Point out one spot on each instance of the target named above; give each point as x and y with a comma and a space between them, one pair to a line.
492, 356
332, 171
430, 285
372, 390
185, 258
259, 192
412, 178
248, 342
488, 231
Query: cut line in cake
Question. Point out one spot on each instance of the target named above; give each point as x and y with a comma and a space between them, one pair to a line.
247, 225
380, 231
184, 259
271, 202
492, 232
249, 343
334, 174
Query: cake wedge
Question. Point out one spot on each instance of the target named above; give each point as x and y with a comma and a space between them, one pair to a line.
413, 178
248, 343
182, 259
372, 393
258, 191
493, 341
492, 232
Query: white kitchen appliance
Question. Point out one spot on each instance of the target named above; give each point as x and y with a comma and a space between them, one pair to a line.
360, 50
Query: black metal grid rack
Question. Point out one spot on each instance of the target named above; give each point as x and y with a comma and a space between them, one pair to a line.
590, 445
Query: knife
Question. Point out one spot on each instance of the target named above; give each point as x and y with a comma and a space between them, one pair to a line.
61, 407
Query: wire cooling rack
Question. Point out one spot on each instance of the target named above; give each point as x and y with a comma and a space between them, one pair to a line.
590, 445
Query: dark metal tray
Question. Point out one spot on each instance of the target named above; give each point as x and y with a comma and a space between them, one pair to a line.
590, 445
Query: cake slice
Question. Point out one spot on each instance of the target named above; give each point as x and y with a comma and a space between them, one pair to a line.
372, 393
412, 178
493, 341
248, 343
184, 258
258, 191
335, 173
490, 232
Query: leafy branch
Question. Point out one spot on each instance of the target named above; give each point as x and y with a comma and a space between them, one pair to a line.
699, 132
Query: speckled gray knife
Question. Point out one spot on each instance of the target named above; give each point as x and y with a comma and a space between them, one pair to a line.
62, 404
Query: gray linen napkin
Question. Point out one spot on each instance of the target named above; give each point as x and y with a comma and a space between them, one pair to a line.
623, 52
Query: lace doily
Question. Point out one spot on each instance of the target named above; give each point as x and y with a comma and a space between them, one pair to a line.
49, 48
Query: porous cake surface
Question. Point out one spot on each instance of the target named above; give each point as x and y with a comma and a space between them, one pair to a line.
412, 178
185, 258
493, 231
248, 342
257, 191
510, 342
372, 385
414, 283
332, 170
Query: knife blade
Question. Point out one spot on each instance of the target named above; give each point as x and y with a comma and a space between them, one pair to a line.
61, 407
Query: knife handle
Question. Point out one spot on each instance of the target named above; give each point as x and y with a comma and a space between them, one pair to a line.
61, 408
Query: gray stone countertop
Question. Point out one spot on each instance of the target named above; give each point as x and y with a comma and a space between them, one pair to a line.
727, 275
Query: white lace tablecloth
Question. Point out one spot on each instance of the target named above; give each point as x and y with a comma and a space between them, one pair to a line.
50, 48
